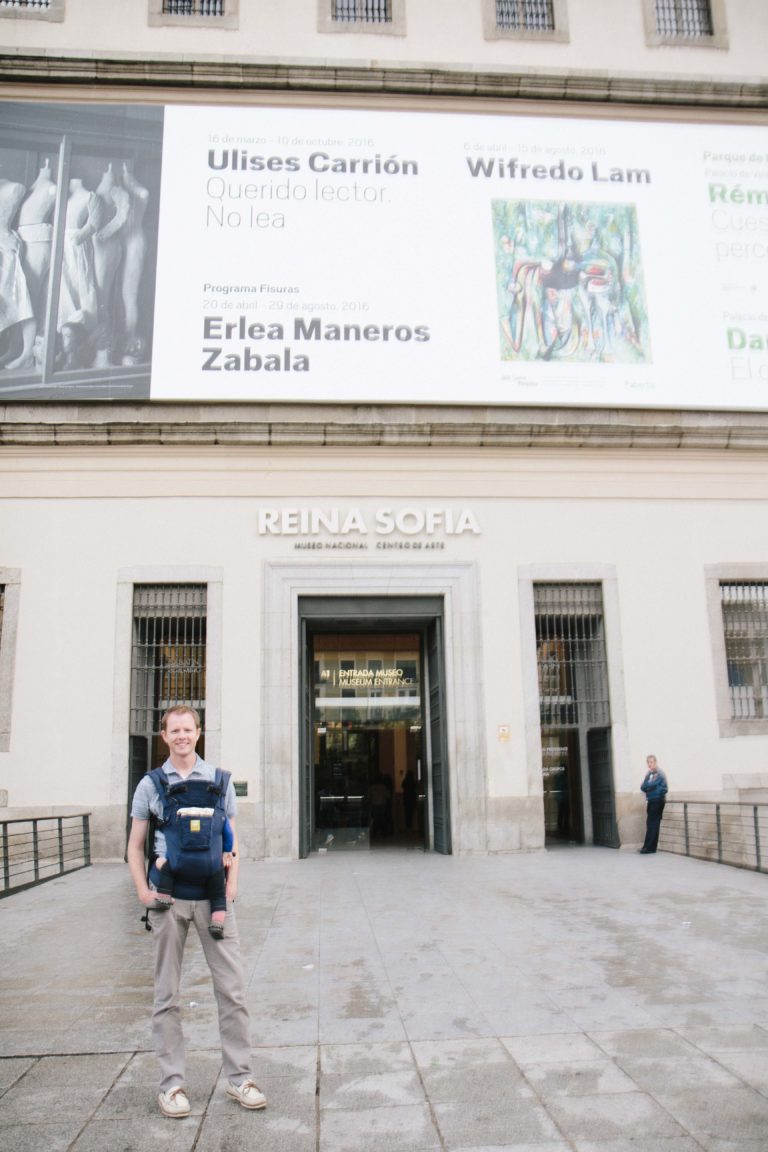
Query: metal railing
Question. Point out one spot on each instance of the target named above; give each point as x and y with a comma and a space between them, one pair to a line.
39, 848
728, 833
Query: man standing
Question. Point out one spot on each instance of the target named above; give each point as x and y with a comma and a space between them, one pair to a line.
180, 730
655, 787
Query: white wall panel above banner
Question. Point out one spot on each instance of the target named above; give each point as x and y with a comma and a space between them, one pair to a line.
219, 253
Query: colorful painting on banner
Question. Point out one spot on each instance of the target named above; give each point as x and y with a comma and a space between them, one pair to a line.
570, 282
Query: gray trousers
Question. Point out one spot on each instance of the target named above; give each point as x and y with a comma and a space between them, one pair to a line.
169, 932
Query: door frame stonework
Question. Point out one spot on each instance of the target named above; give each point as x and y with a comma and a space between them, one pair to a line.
284, 584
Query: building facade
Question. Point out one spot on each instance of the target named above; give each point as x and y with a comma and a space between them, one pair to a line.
388, 382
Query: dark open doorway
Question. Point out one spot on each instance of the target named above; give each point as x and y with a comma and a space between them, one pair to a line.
374, 771
370, 779
574, 706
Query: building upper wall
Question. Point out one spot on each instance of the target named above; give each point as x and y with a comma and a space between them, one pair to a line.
429, 35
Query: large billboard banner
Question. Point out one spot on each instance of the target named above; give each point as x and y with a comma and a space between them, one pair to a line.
285, 254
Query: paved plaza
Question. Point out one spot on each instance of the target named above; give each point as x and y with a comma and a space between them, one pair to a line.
578, 1000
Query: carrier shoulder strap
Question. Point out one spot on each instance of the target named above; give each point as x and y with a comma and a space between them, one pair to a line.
220, 786
165, 790
162, 784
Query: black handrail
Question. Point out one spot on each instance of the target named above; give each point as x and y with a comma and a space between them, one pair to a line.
34, 849
727, 832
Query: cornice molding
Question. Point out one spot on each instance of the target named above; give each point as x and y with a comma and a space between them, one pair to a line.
171, 72
328, 426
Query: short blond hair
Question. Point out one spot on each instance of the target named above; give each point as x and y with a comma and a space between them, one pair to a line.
180, 709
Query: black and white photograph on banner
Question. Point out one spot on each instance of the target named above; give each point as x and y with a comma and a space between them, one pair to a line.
79, 209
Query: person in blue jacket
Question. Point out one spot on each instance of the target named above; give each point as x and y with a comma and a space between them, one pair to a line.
655, 787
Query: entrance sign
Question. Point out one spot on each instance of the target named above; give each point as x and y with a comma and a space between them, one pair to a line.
410, 521
337, 255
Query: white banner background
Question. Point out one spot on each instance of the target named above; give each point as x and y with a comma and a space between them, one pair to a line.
411, 252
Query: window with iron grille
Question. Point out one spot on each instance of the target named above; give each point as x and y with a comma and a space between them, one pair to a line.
364, 11
533, 15
193, 7
745, 628
688, 18
168, 665
571, 656
525, 19
217, 14
386, 17
40, 9
691, 23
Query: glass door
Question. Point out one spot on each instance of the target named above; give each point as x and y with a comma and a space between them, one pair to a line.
369, 767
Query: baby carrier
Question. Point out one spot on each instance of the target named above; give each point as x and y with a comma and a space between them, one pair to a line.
193, 822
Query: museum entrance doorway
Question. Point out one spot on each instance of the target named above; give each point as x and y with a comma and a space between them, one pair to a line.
373, 761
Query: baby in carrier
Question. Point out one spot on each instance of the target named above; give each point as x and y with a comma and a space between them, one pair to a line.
215, 883
193, 845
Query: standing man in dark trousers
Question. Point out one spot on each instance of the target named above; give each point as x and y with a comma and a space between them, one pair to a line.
655, 787
171, 922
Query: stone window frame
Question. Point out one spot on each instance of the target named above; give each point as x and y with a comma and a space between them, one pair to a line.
213, 578
718, 39
393, 27
559, 33
10, 580
54, 13
156, 18
714, 576
605, 575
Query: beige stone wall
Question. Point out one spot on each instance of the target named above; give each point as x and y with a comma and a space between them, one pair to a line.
437, 37
93, 497
80, 522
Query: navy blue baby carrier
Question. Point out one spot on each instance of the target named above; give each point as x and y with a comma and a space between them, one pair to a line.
194, 839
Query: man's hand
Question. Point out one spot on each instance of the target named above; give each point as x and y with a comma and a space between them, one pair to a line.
150, 899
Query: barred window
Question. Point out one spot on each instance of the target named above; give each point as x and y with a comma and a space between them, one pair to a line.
363, 11
745, 627
168, 665
689, 23
193, 7
690, 19
525, 20
571, 656
221, 14
52, 10
531, 15
382, 17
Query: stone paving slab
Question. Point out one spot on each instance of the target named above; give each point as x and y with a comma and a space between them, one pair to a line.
571, 1001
